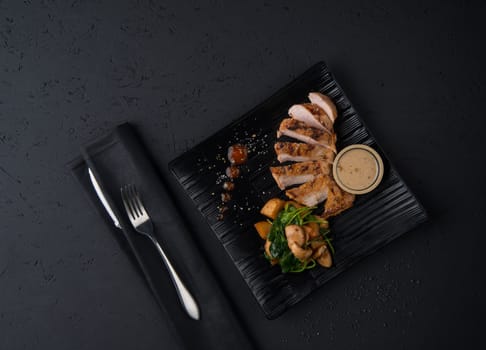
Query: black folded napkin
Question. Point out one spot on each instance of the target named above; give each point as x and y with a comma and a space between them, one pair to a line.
118, 159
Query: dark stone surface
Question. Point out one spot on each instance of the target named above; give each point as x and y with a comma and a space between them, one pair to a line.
71, 70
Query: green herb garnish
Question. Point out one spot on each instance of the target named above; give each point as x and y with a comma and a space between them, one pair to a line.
279, 248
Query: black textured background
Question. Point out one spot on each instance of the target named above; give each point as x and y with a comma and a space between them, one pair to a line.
180, 70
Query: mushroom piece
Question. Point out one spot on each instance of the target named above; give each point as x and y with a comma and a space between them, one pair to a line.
295, 234
315, 244
299, 252
296, 238
323, 256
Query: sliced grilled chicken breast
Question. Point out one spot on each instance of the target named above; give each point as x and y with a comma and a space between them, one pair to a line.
337, 201
311, 193
312, 115
323, 187
300, 131
298, 173
313, 124
325, 103
302, 152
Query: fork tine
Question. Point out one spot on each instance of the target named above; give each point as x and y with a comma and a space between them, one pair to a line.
137, 200
133, 200
136, 211
129, 197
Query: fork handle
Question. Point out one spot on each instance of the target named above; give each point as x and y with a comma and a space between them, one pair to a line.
187, 300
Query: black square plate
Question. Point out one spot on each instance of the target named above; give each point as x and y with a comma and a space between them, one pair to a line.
375, 219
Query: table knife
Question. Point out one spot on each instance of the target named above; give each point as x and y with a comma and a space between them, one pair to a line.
102, 198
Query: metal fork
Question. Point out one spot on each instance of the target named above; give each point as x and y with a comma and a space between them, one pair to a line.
142, 224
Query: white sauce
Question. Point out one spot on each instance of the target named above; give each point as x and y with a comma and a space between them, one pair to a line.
357, 169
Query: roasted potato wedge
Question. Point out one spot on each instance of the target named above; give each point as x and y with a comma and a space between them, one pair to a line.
263, 228
272, 207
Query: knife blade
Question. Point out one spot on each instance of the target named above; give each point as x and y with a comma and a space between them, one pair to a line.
102, 198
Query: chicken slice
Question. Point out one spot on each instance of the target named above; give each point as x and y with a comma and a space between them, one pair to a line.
302, 152
298, 173
311, 193
337, 201
312, 115
325, 103
300, 131
321, 188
